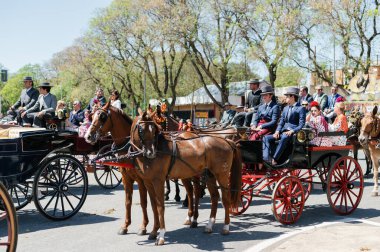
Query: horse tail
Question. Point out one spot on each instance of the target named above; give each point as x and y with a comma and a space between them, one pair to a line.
235, 178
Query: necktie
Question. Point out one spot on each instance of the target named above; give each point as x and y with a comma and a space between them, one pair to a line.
290, 112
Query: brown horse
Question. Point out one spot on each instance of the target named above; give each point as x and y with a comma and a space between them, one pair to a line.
369, 135
354, 125
163, 158
104, 121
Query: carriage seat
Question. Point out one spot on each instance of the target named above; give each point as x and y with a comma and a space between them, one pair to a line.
14, 132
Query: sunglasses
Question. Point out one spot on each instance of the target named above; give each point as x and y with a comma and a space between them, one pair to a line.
305, 105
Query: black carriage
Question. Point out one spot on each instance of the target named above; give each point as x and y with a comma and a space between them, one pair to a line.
107, 176
289, 184
33, 167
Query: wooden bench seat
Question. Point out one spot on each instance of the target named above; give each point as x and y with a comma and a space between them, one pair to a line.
14, 132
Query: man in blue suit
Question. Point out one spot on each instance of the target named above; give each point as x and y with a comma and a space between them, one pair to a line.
267, 115
28, 98
291, 121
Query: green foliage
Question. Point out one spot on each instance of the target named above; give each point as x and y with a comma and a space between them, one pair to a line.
289, 76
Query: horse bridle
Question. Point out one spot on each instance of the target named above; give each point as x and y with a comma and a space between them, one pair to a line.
140, 133
103, 116
373, 129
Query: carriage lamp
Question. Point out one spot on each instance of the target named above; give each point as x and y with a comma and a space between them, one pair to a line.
311, 135
301, 136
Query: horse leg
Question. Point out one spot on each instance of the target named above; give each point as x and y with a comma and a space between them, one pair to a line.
128, 189
368, 160
214, 195
375, 164
189, 190
167, 189
197, 194
223, 180
143, 203
158, 187
177, 197
156, 225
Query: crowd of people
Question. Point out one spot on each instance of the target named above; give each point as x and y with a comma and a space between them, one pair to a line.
273, 122
36, 106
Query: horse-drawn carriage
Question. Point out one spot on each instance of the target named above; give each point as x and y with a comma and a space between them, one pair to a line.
289, 185
34, 167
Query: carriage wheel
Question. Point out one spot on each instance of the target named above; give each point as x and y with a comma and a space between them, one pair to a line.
245, 200
106, 176
323, 166
60, 187
306, 177
8, 222
288, 200
21, 194
345, 185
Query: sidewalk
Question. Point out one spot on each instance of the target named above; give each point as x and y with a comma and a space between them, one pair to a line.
358, 235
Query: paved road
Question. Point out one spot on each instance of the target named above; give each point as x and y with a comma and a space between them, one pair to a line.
95, 227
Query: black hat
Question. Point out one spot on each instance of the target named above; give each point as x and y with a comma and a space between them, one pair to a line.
292, 91
45, 84
254, 81
266, 90
28, 78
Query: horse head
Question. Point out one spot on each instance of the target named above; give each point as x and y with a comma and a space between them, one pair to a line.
144, 135
370, 126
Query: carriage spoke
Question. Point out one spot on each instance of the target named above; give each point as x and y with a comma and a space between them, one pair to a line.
73, 195
68, 200
67, 168
47, 205
63, 206
56, 204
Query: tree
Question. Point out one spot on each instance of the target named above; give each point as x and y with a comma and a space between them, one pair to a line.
289, 76
267, 26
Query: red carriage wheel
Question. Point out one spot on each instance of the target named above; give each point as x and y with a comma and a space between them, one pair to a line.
306, 177
345, 185
288, 200
245, 200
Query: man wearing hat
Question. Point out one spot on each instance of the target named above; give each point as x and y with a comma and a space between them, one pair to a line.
28, 98
228, 115
267, 115
253, 101
43, 109
99, 98
291, 121
320, 97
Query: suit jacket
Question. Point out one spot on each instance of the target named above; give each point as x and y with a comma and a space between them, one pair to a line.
295, 122
76, 118
254, 99
307, 98
322, 100
46, 103
269, 114
27, 98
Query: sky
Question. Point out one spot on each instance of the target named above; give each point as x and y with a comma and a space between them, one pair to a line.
32, 31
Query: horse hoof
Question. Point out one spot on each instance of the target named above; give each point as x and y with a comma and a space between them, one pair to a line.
225, 232
194, 224
187, 223
141, 232
177, 198
152, 237
374, 194
122, 231
166, 197
208, 230
160, 241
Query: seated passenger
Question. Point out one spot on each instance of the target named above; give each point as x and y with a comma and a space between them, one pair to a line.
228, 115
85, 124
319, 124
77, 115
292, 120
339, 124
43, 109
115, 101
60, 110
99, 99
267, 115
239, 117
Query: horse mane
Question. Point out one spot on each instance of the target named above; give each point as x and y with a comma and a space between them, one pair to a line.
123, 114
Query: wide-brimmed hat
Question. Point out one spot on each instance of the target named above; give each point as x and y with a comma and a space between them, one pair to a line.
254, 81
45, 84
292, 91
28, 78
266, 90
227, 104
239, 107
